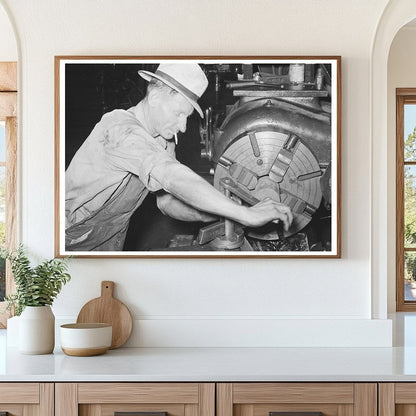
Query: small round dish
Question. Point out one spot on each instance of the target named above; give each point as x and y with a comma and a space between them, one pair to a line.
84, 340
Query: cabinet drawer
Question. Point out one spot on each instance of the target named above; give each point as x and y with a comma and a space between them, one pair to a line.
21, 399
268, 399
138, 393
107, 399
19, 393
397, 399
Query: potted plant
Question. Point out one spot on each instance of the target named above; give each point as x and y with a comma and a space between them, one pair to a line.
36, 289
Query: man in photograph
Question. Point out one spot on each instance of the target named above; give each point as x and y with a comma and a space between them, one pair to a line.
130, 153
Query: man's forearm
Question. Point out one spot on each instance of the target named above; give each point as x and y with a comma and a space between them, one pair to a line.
189, 187
175, 208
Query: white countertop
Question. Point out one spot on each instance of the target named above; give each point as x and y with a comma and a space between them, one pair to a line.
222, 364
215, 364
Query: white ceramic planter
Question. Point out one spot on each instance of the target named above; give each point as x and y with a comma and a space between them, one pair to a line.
37, 330
12, 334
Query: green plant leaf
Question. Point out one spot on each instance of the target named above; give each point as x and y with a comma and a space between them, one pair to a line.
35, 286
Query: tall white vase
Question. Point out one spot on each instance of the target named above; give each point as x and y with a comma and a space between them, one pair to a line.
12, 334
37, 330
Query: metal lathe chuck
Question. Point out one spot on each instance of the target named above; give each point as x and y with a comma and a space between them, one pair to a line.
271, 164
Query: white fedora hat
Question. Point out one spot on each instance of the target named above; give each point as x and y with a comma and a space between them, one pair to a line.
188, 79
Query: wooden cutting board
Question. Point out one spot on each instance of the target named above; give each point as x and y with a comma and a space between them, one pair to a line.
108, 310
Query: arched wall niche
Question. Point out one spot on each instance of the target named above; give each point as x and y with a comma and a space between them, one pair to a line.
397, 14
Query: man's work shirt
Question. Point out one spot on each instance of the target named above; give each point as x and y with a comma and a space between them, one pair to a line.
108, 179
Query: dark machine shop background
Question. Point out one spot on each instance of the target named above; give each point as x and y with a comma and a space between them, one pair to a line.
267, 127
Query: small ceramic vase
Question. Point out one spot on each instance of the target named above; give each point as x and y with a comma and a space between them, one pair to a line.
37, 330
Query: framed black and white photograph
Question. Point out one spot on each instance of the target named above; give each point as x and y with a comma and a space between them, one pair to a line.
198, 157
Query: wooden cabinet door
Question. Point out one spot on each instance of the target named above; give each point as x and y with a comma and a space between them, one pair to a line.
297, 399
152, 399
27, 399
397, 399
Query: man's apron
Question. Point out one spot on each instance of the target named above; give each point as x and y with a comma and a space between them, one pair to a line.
106, 228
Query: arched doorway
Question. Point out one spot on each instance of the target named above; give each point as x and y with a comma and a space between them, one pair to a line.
397, 14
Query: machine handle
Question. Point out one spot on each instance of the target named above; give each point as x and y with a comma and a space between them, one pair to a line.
140, 413
295, 414
228, 184
206, 134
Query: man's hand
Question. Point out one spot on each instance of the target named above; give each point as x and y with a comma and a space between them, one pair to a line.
268, 211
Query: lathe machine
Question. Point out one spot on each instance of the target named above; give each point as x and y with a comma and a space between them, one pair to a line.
267, 134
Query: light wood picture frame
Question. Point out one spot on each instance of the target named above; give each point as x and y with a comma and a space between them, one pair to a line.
270, 131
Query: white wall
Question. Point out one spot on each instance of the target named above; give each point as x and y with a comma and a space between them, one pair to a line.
202, 302
401, 74
8, 46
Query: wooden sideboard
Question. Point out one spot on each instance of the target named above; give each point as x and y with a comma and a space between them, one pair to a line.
208, 399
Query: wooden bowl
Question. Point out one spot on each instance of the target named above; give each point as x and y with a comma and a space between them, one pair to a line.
84, 340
